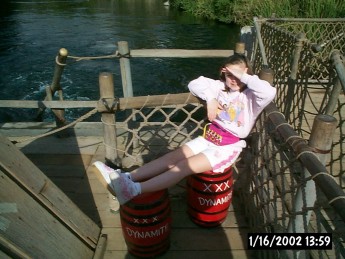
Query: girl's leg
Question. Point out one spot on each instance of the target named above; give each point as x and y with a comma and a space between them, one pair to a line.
161, 164
126, 189
191, 165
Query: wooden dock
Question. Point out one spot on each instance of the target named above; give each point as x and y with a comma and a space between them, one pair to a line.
66, 162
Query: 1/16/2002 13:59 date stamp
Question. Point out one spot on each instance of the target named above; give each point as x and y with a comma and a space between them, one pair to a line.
289, 241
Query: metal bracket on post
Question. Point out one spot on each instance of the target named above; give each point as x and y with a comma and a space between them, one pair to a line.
114, 105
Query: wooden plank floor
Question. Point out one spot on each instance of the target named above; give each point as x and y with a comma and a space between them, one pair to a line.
66, 162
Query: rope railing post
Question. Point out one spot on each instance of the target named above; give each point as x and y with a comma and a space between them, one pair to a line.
126, 75
321, 136
125, 67
321, 142
106, 87
339, 83
334, 97
267, 74
339, 66
260, 42
240, 48
56, 87
293, 74
59, 67
248, 38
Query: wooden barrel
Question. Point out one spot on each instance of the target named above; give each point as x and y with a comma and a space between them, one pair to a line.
209, 196
146, 224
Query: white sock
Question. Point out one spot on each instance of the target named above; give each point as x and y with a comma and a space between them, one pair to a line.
124, 188
137, 187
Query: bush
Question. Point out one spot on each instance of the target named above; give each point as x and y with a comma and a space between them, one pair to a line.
243, 11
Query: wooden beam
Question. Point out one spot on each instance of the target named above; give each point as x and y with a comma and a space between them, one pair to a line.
180, 53
125, 103
156, 100
31, 104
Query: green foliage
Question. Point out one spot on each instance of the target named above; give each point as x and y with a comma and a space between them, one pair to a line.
322, 8
223, 9
243, 11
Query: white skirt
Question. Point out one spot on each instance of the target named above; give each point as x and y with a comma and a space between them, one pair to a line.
220, 157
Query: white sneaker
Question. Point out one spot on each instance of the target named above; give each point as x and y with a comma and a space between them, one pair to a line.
117, 183
125, 188
105, 175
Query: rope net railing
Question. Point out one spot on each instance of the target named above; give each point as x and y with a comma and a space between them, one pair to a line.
285, 186
147, 133
305, 79
306, 57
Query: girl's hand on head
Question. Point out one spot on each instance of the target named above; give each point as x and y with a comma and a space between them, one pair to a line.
237, 72
212, 108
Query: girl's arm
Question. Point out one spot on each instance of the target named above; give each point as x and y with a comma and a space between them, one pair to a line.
261, 89
205, 88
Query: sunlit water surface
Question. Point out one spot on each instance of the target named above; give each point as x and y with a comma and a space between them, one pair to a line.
32, 32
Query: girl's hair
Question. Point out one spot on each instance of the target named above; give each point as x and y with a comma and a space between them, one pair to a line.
235, 60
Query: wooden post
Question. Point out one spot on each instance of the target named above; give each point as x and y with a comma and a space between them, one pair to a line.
59, 67
106, 87
257, 26
267, 74
334, 97
55, 86
293, 75
126, 76
339, 84
322, 135
240, 48
321, 139
248, 37
125, 69
339, 65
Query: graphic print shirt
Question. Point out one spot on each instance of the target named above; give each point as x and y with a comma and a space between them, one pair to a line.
240, 109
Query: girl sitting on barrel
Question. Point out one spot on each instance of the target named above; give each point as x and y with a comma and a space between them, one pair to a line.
233, 104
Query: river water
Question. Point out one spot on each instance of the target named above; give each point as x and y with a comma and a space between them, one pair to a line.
32, 32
